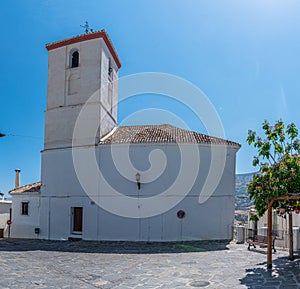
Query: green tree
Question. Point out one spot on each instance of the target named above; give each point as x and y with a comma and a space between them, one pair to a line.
279, 165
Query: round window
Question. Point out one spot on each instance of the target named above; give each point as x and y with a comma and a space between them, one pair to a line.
181, 214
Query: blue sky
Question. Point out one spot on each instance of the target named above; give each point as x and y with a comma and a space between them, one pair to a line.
244, 55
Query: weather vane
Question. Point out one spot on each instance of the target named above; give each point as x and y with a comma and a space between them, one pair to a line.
87, 27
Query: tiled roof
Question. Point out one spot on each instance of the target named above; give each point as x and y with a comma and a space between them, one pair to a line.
84, 37
164, 133
35, 187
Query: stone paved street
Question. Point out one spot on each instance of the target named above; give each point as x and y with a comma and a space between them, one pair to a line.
82, 264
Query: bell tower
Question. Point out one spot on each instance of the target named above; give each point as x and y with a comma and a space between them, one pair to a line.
78, 68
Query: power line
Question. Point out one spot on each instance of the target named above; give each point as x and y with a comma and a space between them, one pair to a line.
17, 135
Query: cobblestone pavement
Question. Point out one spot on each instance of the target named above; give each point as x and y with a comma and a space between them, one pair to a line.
83, 264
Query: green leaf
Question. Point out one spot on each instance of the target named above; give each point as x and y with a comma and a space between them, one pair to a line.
292, 131
255, 161
282, 174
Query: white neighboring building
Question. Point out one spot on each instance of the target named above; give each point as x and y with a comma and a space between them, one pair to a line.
5, 211
25, 210
280, 228
61, 209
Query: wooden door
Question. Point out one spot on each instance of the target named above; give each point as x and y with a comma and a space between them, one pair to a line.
77, 219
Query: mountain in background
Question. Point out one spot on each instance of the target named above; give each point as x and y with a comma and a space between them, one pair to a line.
242, 199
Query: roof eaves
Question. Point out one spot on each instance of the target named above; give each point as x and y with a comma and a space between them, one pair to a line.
29, 188
84, 37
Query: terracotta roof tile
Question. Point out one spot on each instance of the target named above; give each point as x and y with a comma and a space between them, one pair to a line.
164, 133
34, 187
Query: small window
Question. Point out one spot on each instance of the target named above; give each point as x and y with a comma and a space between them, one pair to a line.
75, 59
110, 70
180, 214
24, 208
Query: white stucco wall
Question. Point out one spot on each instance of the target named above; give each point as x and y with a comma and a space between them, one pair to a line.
61, 190
281, 226
279, 223
5, 207
3, 224
70, 88
23, 225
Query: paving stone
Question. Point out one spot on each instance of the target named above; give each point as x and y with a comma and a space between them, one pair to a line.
124, 265
285, 286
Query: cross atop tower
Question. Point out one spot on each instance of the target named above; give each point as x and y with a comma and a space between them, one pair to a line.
87, 27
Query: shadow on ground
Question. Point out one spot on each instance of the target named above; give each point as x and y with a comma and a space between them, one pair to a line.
284, 274
115, 247
260, 250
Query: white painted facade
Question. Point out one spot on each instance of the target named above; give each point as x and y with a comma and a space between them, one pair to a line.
61, 191
61, 194
23, 225
69, 88
280, 228
5, 207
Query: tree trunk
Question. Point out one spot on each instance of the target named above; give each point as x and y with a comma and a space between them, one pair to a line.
291, 249
255, 228
270, 226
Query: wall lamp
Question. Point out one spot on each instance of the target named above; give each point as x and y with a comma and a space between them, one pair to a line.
138, 178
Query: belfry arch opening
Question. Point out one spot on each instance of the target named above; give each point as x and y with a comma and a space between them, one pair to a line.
74, 59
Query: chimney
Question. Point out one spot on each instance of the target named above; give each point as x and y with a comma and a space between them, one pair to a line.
17, 180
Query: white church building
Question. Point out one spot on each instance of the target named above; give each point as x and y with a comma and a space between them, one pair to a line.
137, 183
